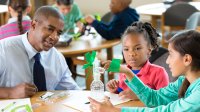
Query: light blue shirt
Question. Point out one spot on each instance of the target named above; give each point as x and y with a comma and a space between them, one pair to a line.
16, 65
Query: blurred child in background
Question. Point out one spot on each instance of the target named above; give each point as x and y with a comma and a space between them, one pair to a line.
123, 17
71, 13
19, 22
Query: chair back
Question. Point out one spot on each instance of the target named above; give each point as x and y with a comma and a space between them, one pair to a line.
161, 61
3, 2
159, 57
174, 19
178, 13
193, 21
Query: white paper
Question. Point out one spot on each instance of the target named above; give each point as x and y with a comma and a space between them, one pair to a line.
20, 105
77, 100
115, 99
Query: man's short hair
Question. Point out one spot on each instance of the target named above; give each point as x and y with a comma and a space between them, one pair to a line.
46, 12
65, 2
125, 3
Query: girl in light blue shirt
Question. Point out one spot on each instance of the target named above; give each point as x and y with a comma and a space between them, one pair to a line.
180, 96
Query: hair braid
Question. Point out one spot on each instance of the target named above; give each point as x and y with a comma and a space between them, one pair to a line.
146, 30
19, 20
153, 35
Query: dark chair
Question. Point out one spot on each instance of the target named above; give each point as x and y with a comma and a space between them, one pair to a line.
159, 57
175, 1
175, 17
3, 2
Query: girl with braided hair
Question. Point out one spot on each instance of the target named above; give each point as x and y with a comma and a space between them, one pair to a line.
138, 41
19, 22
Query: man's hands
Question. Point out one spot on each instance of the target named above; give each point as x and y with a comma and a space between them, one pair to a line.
22, 90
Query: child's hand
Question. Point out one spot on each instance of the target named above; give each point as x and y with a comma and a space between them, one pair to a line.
123, 68
106, 64
80, 26
112, 85
128, 94
104, 106
89, 19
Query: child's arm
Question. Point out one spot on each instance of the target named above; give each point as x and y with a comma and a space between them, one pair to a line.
129, 74
152, 97
188, 104
147, 95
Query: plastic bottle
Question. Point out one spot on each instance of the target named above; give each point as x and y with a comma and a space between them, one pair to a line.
97, 86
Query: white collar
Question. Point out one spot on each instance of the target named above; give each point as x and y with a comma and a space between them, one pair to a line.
29, 48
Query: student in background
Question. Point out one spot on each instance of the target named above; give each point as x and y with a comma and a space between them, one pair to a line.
71, 13
124, 16
137, 43
19, 22
30, 60
182, 95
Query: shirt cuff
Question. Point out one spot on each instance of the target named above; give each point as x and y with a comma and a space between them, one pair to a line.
95, 23
128, 109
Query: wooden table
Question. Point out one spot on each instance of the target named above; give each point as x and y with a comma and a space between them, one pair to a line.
3, 14
59, 107
88, 44
156, 10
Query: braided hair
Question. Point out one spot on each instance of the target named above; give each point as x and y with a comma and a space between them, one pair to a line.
19, 6
147, 30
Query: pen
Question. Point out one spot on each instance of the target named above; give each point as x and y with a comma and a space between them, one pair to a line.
8, 106
87, 103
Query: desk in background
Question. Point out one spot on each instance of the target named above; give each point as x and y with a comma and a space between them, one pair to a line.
156, 10
88, 44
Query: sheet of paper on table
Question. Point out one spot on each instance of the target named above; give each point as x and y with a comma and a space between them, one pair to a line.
16, 105
78, 100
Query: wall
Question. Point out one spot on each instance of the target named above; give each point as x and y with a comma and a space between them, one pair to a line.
102, 6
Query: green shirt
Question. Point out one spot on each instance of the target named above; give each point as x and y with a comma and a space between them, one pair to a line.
165, 99
71, 18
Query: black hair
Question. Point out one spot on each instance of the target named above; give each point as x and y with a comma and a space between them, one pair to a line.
146, 30
65, 2
45, 12
19, 6
187, 42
